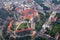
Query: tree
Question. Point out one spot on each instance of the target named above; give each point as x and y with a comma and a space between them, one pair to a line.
55, 29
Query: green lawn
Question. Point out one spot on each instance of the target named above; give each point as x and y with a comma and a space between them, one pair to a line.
23, 25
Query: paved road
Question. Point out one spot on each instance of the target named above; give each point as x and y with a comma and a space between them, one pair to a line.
1, 33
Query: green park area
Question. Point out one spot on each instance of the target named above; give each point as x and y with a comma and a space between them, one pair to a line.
23, 25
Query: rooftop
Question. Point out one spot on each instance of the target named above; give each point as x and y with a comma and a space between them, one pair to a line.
29, 13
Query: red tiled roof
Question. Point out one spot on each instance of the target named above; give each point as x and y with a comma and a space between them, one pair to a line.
27, 15
24, 30
29, 1
19, 8
54, 19
10, 25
